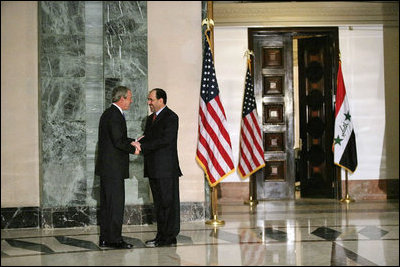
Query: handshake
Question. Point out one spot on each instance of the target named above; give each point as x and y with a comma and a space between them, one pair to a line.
137, 145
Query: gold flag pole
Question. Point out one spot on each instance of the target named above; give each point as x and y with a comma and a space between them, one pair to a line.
347, 198
210, 17
214, 221
214, 194
252, 192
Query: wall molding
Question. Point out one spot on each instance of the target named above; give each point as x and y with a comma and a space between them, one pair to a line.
372, 189
359, 190
305, 14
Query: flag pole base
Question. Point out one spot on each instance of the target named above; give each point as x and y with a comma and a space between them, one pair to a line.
347, 199
251, 202
215, 221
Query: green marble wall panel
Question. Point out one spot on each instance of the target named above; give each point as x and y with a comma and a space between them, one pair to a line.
85, 49
125, 63
62, 98
94, 86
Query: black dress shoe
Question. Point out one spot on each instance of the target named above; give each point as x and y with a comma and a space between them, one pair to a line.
170, 243
121, 244
103, 244
170, 240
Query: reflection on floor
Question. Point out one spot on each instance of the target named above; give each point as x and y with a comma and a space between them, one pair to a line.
301, 232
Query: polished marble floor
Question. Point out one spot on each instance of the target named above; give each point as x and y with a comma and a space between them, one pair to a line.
302, 232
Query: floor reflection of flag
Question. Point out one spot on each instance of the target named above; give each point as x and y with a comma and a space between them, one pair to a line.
252, 248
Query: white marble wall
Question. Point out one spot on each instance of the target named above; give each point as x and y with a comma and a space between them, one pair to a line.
19, 105
175, 58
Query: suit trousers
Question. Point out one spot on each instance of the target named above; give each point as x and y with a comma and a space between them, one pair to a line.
112, 202
165, 193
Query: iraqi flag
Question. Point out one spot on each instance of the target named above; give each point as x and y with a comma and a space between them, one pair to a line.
344, 142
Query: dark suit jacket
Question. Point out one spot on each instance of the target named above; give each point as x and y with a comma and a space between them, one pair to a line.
114, 145
159, 146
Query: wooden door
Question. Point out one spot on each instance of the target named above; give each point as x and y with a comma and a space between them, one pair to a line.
273, 86
273, 70
315, 56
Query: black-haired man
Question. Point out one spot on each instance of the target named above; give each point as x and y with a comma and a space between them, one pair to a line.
161, 166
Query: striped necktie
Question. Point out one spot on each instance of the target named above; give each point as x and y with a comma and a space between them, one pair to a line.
154, 116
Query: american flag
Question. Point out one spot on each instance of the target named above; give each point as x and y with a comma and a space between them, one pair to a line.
214, 149
251, 151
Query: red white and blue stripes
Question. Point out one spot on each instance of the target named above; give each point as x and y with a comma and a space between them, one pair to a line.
214, 149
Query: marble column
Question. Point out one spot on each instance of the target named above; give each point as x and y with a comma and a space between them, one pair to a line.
85, 49
94, 88
63, 112
125, 63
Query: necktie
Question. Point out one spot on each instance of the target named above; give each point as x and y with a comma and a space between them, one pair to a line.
123, 114
154, 116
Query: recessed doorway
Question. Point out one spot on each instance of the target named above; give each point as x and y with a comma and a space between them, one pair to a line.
294, 77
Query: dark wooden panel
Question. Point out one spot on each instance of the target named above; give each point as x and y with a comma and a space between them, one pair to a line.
274, 142
274, 170
316, 79
273, 113
272, 85
272, 57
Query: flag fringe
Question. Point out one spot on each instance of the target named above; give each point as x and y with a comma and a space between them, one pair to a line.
347, 169
208, 178
256, 169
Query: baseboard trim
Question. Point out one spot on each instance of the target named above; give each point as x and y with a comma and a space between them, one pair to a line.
82, 216
372, 189
358, 190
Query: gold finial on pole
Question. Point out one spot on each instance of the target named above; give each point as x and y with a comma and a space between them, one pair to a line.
209, 22
249, 53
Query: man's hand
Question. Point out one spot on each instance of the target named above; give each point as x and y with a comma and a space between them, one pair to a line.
137, 146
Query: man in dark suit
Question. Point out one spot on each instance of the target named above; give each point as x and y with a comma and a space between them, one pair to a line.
161, 166
112, 166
